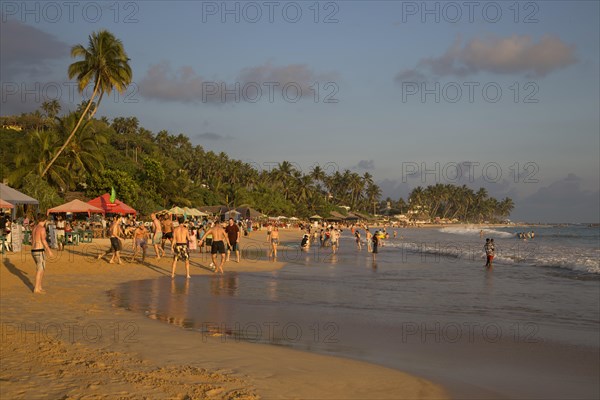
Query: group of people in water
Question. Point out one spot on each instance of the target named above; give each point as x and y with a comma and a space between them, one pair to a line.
526, 235
329, 236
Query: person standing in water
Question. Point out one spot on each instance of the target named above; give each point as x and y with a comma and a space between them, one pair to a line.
489, 252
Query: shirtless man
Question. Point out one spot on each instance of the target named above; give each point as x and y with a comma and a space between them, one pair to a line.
369, 237
274, 242
116, 233
167, 231
219, 238
140, 241
38, 248
157, 236
335, 237
179, 247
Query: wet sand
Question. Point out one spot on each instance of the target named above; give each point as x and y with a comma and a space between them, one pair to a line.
71, 343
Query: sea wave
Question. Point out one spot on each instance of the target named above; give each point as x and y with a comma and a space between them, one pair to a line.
476, 232
578, 260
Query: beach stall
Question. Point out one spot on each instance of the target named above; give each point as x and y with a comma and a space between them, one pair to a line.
76, 206
17, 199
177, 211
116, 207
85, 234
5, 205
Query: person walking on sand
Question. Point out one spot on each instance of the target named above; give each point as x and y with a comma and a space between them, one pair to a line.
157, 236
179, 247
489, 252
116, 234
39, 246
219, 237
233, 234
140, 241
167, 231
274, 242
60, 232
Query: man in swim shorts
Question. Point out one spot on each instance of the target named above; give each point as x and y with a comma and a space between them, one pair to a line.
140, 241
179, 246
116, 233
219, 238
157, 236
39, 245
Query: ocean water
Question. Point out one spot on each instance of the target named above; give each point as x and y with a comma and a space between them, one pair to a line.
572, 247
425, 305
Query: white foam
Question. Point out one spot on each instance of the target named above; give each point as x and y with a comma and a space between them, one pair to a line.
467, 231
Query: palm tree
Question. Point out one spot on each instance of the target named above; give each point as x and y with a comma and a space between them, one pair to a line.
51, 108
506, 206
106, 64
83, 155
32, 154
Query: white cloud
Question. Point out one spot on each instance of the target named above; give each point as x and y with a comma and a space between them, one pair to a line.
517, 54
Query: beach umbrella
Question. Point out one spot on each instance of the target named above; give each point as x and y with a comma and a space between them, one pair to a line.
316, 216
293, 219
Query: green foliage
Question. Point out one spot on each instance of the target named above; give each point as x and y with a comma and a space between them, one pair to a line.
154, 171
39, 189
460, 202
127, 189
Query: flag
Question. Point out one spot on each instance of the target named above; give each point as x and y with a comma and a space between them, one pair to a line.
113, 194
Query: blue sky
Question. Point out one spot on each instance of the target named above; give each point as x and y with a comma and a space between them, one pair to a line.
410, 92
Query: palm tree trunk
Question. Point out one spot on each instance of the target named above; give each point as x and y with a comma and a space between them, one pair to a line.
81, 117
96, 108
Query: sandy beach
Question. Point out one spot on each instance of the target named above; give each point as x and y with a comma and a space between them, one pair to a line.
71, 343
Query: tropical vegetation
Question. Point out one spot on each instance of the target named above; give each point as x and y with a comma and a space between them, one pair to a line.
48, 155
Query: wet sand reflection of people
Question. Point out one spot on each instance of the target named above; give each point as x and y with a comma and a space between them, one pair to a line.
177, 307
225, 285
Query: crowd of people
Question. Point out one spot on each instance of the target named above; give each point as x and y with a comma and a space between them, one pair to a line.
183, 236
329, 236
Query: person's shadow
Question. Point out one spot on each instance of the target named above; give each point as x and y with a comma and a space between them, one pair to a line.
22, 275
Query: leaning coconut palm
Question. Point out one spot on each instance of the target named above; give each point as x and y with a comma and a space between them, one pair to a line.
106, 64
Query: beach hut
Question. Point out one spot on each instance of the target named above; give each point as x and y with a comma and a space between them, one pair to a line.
249, 213
76, 206
118, 207
232, 214
16, 198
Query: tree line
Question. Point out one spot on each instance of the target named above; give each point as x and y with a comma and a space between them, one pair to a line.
47, 155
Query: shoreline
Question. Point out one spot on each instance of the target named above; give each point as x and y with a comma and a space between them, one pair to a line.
70, 343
